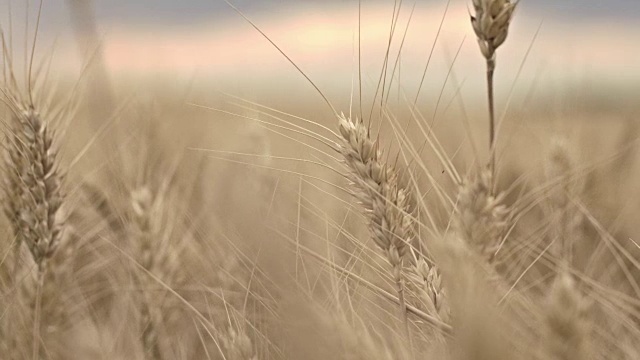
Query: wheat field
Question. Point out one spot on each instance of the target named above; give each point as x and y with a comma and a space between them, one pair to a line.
446, 205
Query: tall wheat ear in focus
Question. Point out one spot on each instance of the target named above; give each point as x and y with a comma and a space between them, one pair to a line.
40, 295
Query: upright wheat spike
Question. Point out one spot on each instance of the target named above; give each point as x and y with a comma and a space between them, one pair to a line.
385, 201
33, 194
491, 25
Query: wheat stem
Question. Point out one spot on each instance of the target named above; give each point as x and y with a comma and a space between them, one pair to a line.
491, 25
491, 66
37, 312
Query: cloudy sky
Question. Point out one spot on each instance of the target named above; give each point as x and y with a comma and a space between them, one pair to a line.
578, 39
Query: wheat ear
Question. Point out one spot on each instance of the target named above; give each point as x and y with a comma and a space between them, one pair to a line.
33, 191
33, 186
491, 25
385, 201
481, 219
142, 202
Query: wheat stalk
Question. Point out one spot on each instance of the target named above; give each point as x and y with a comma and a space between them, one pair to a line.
491, 25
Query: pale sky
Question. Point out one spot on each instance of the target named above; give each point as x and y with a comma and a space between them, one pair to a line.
579, 39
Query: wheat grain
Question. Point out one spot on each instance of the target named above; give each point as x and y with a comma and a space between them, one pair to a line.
428, 281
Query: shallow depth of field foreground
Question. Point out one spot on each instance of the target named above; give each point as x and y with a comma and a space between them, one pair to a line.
320, 180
